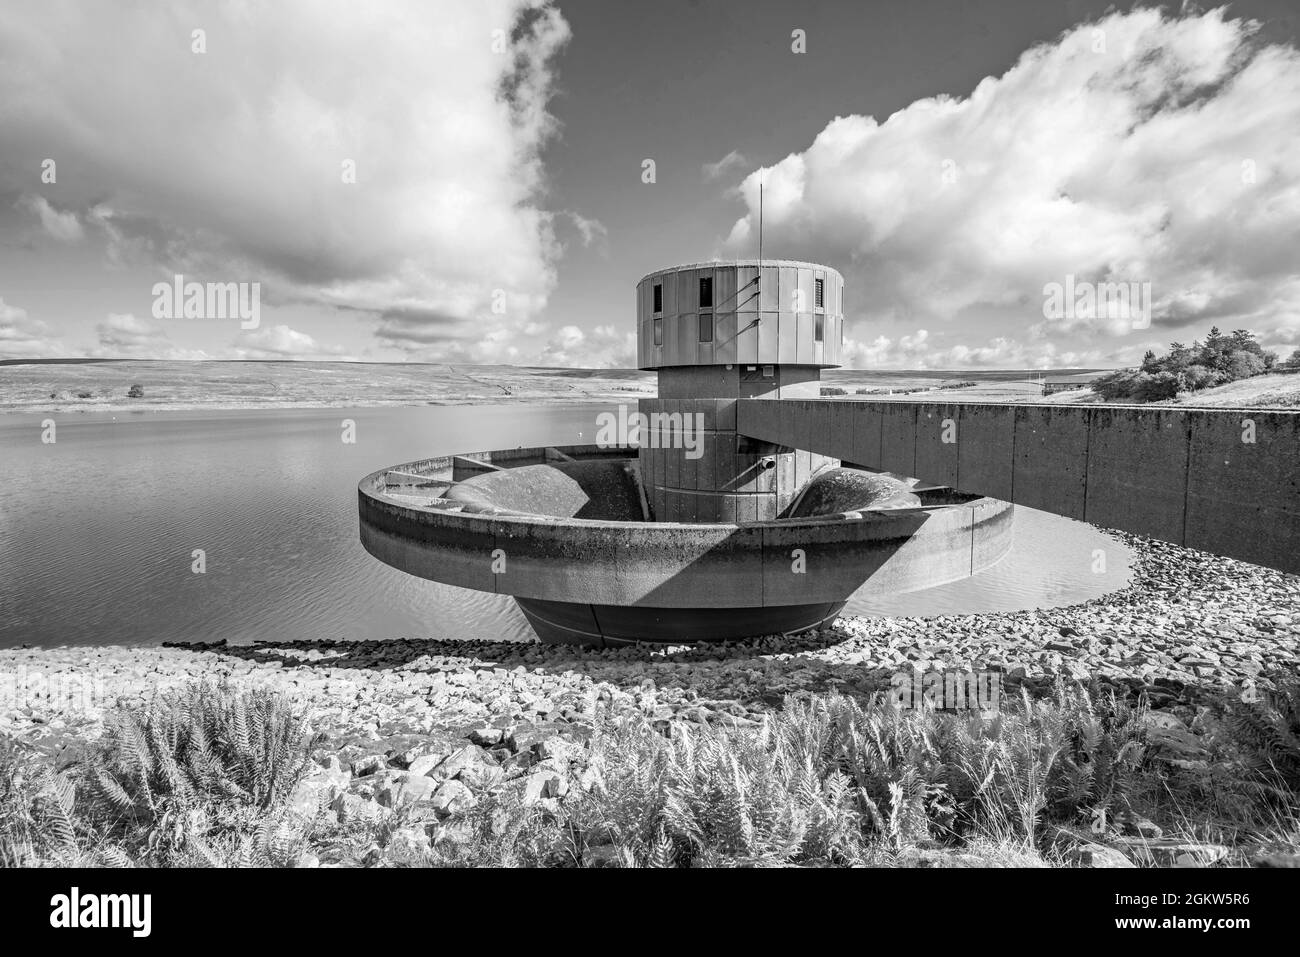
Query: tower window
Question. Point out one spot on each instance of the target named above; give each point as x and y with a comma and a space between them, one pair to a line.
819, 328
819, 293
706, 292
706, 327
659, 331
659, 297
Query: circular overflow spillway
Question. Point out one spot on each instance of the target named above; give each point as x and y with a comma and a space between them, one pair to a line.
675, 527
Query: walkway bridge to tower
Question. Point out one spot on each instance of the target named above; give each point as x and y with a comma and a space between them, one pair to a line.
1222, 480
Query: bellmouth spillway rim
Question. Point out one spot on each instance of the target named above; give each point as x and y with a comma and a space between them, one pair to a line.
373, 487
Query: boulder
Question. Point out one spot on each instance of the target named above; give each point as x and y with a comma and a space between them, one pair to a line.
408, 789
1171, 852
543, 783
1163, 721
1170, 739
453, 797
518, 762
559, 748
469, 757
319, 789
1097, 855
486, 737
1146, 828
425, 763
369, 764
352, 807
409, 842
527, 735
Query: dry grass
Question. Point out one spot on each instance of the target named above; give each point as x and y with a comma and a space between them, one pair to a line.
203, 778
55, 387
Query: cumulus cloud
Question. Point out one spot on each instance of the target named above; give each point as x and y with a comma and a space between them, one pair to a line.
62, 225
125, 336
25, 337
920, 350
601, 348
281, 342
234, 164
1139, 148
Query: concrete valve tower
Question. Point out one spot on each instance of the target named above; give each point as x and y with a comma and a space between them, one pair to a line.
716, 333
685, 528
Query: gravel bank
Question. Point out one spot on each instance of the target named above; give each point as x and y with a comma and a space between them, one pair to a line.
417, 733
1188, 624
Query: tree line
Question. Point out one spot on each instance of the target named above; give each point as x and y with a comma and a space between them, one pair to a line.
1202, 365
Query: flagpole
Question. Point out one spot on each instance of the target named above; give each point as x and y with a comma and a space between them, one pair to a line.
760, 249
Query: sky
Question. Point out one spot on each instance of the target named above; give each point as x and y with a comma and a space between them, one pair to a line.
469, 180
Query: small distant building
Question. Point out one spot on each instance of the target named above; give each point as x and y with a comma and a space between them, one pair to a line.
1064, 383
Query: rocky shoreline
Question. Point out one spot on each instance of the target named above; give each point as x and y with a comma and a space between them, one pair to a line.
426, 720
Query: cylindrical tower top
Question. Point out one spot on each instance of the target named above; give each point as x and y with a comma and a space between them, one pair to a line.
738, 312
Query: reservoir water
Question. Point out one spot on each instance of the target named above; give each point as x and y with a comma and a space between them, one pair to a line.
98, 531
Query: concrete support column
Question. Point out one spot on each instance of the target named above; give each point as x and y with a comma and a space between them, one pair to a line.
694, 466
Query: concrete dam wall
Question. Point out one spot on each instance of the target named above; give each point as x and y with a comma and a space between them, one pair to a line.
1221, 480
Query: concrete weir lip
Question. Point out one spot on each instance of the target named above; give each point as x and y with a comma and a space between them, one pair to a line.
568, 533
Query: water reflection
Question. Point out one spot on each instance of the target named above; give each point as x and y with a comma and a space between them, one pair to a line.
98, 531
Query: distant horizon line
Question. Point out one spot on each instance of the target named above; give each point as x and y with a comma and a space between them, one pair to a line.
87, 360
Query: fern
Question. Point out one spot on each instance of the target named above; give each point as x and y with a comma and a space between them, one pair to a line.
37, 824
1265, 734
197, 775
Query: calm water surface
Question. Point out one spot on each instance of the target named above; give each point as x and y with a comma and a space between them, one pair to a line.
97, 530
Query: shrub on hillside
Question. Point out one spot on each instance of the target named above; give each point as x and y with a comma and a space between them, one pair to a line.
1115, 385
1199, 377
1227, 358
1137, 386
1243, 365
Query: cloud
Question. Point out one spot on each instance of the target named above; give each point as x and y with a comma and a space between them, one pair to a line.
722, 167
602, 348
231, 164
919, 350
63, 226
123, 335
25, 337
281, 342
589, 230
1140, 148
